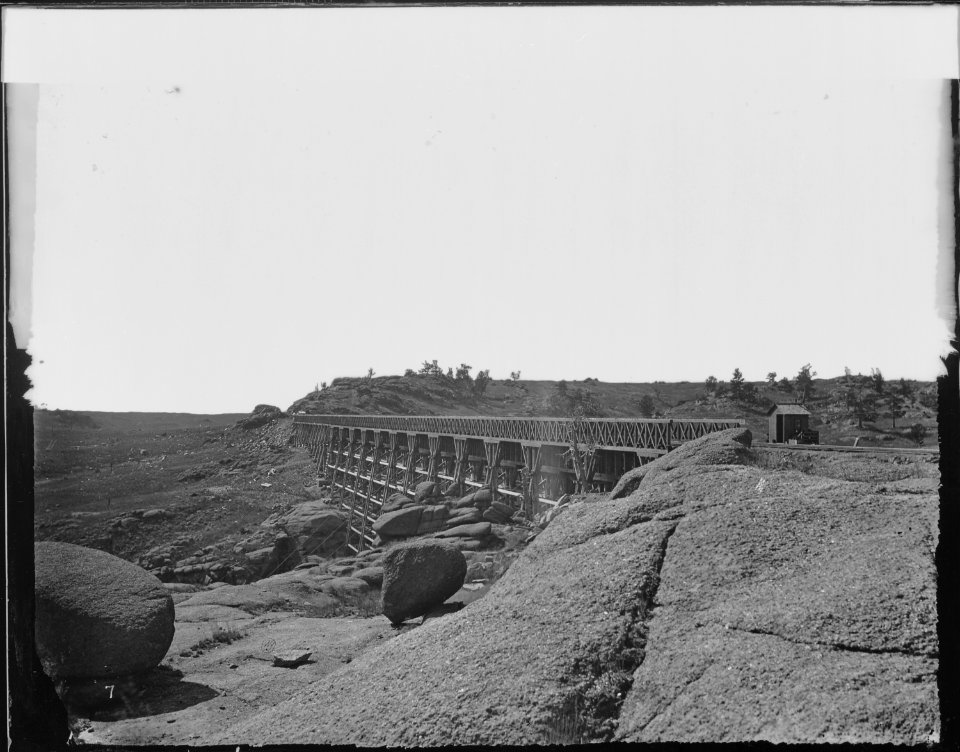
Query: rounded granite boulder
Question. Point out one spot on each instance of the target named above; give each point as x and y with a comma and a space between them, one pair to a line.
98, 615
418, 576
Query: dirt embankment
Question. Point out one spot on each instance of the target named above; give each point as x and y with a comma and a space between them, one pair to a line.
169, 492
721, 600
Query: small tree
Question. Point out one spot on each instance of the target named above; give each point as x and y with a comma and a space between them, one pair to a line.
895, 407
917, 433
515, 375
784, 385
877, 379
647, 406
804, 383
480, 383
772, 378
906, 389
736, 384
463, 372
323, 385
431, 369
711, 384
854, 395
370, 374
409, 372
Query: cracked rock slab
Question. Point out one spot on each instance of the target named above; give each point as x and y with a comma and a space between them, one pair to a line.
493, 673
805, 613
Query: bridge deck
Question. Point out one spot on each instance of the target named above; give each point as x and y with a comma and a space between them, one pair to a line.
633, 433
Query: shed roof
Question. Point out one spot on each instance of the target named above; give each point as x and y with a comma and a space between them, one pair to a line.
788, 409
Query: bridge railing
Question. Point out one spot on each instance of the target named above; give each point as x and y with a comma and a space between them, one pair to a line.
602, 432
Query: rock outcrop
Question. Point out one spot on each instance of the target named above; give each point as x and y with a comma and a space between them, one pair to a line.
419, 575
400, 523
425, 491
98, 615
320, 529
261, 415
730, 447
718, 600
396, 501
283, 557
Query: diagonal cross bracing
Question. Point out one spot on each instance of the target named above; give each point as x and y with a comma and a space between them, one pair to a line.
527, 463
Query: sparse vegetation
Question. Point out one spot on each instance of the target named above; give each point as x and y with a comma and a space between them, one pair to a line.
481, 383
737, 384
430, 368
565, 403
853, 394
803, 383
366, 604
647, 406
220, 636
895, 407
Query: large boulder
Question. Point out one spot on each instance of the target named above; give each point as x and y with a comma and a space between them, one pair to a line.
480, 499
498, 513
373, 576
433, 518
729, 447
426, 490
320, 529
396, 501
476, 530
283, 557
463, 517
98, 615
399, 524
419, 575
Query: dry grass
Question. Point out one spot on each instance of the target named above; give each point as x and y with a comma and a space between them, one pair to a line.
220, 636
366, 604
848, 466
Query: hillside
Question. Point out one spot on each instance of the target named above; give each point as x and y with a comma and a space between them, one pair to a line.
98, 477
421, 394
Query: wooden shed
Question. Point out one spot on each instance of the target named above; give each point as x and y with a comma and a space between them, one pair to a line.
786, 421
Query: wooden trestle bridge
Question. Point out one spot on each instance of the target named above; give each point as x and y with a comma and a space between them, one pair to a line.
525, 462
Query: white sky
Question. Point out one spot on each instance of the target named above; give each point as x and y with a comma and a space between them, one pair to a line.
531, 189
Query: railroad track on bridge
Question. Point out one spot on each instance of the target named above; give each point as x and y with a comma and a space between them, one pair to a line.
528, 463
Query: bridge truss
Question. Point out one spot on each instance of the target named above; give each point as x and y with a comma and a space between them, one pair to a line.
527, 463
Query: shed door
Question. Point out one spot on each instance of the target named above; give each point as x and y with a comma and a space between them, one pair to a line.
780, 429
